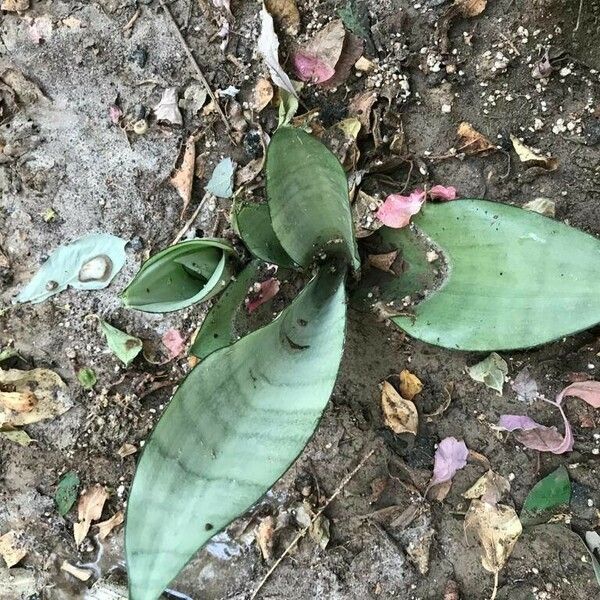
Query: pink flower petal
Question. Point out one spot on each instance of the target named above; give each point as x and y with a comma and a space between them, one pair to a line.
440, 192
267, 290
589, 391
397, 210
173, 342
310, 68
115, 114
450, 456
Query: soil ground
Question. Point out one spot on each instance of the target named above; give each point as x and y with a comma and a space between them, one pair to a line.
65, 154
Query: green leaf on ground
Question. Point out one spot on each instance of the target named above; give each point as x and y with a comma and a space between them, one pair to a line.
491, 371
547, 497
235, 425
125, 347
87, 378
18, 436
66, 492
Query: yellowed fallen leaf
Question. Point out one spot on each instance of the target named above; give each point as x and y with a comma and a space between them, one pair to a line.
350, 126
78, 572
383, 262
262, 94
410, 385
89, 509
472, 141
41, 389
497, 528
400, 415
11, 548
285, 13
105, 527
470, 8
489, 487
528, 156
126, 450
264, 537
183, 178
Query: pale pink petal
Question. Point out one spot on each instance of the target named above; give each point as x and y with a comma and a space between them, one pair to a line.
310, 68
441, 192
513, 422
115, 114
589, 391
397, 210
267, 290
450, 456
173, 342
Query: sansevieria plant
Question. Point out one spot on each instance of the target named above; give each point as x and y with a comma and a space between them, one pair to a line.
506, 279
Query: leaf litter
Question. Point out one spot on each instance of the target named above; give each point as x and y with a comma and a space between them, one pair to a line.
400, 414
89, 509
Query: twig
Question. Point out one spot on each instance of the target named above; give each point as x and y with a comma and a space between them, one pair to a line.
578, 16
196, 65
132, 21
191, 220
302, 532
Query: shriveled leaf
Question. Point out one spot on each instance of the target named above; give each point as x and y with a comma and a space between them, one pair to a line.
12, 548
320, 531
261, 292
308, 198
221, 182
183, 178
490, 487
538, 437
288, 107
473, 142
268, 47
224, 440
364, 209
384, 261
536, 280
361, 107
89, 509
529, 157
397, 210
66, 492
497, 528
106, 527
525, 386
179, 276
285, 13
126, 450
352, 50
167, 110
400, 414
87, 378
174, 342
547, 497
125, 347
491, 371
90, 263
542, 206
264, 536
262, 94
410, 385
41, 392
450, 456
588, 391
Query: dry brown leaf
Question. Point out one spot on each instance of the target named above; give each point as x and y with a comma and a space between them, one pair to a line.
262, 94
530, 158
363, 214
472, 141
77, 572
439, 491
11, 548
105, 527
319, 531
400, 415
264, 537
364, 65
410, 385
40, 389
470, 8
451, 590
126, 450
89, 509
351, 51
361, 107
14, 5
183, 178
497, 529
482, 459
383, 262
286, 15
489, 487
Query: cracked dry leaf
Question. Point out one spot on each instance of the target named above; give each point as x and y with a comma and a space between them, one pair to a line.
30, 396
490, 487
183, 177
264, 537
400, 415
472, 141
361, 107
105, 527
497, 528
126, 450
89, 509
167, 110
11, 548
533, 159
410, 385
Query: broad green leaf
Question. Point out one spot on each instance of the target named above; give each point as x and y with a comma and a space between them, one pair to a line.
89, 263
491, 371
253, 224
87, 378
515, 279
66, 492
180, 275
126, 347
307, 193
221, 181
547, 497
234, 426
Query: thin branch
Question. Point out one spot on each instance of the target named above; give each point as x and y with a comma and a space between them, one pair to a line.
194, 62
302, 532
191, 220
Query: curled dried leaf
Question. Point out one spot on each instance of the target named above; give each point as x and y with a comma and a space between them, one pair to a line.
89, 509
400, 414
183, 178
472, 141
410, 385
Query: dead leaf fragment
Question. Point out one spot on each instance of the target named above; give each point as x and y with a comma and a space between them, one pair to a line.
363, 214
400, 415
543, 206
14, 5
361, 107
183, 178
126, 450
77, 572
472, 141
105, 527
410, 385
262, 94
383, 262
286, 15
167, 110
264, 537
489, 487
89, 509
11, 548
533, 159
319, 531
30, 396
364, 65
470, 8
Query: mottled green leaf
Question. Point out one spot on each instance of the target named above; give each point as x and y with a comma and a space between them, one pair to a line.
87, 378
180, 275
66, 492
547, 497
89, 263
234, 426
221, 181
308, 200
126, 347
491, 371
